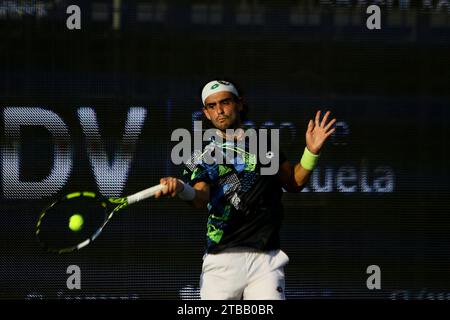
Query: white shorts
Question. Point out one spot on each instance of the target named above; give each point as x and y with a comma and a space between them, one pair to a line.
238, 273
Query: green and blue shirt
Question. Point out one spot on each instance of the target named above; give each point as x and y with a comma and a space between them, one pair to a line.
245, 207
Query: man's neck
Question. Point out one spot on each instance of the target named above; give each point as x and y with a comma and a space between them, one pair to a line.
236, 135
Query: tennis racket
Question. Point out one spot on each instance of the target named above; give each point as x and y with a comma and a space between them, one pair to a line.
78, 218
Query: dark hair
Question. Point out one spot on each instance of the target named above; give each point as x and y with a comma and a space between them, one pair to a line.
207, 124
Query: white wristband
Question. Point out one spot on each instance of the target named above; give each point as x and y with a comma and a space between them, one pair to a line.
188, 192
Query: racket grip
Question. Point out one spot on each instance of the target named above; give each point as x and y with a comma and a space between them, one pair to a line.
144, 194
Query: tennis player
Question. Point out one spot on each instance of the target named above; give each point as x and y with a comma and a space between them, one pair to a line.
243, 259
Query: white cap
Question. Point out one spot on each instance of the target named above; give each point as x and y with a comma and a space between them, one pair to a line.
218, 86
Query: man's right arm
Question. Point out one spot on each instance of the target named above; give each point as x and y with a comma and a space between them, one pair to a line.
175, 186
201, 195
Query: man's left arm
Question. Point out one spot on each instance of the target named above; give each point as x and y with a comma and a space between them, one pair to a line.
294, 178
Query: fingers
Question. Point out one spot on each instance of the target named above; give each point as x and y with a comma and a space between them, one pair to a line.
317, 118
325, 117
171, 189
328, 126
310, 126
323, 123
330, 133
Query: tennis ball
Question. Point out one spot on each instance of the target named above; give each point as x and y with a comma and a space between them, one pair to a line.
76, 222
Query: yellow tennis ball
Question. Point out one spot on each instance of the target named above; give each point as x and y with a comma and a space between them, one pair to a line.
76, 222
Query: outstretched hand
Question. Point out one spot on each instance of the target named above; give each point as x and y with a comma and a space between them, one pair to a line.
318, 132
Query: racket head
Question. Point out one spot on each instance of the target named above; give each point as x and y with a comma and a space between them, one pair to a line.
60, 229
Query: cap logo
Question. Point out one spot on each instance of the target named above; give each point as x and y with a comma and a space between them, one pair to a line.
216, 86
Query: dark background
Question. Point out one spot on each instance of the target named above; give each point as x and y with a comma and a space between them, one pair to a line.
387, 88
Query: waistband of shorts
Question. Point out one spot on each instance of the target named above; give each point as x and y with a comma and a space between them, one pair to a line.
242, 249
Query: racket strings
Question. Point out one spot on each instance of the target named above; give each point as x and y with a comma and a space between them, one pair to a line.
54, 229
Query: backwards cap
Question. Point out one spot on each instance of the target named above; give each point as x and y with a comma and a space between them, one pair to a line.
218, 86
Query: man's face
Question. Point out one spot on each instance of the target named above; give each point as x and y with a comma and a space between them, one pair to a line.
223, 110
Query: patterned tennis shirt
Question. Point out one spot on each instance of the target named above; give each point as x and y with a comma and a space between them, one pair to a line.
244, 208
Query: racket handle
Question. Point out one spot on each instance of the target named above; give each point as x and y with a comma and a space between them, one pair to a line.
144, 194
